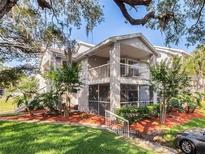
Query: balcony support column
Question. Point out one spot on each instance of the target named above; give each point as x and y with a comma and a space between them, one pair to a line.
153, 61
115, 76
84, 90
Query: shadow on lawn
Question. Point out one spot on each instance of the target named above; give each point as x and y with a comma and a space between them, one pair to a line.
47, 138
167, 137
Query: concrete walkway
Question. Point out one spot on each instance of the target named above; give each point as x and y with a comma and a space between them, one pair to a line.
155, 147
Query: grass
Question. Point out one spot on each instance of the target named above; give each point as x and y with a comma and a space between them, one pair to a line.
18, 138
170, 135
7, 106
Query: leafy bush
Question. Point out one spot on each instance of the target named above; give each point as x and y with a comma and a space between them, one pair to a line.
48, 100
191, 106
35, 105
200, 99
154, 110
189, 103
175, 104
129, 112
202, 104
133, 113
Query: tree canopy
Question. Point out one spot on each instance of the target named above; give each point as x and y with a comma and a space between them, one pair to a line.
175, 18
195, 66
30, 26
169, 79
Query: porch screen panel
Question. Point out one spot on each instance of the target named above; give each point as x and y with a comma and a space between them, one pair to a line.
145, 94
104, 92
99, 98
93, 98
93, 92
129, 93
102, 107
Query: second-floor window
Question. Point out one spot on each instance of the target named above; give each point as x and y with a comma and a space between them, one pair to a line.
133, 69
129, 67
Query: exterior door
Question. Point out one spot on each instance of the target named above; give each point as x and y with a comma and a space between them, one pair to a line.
99, 98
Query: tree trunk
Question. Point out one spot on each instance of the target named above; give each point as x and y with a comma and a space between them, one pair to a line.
6, 6
67, 107
163, 109
29, 111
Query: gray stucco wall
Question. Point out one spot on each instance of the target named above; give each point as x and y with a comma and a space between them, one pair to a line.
95, 61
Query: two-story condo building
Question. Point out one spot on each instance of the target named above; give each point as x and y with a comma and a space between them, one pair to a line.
114, 72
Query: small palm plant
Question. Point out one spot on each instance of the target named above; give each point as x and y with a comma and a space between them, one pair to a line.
49, 100
24, 93
66, 80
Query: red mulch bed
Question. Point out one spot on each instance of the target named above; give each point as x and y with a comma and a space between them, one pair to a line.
143, 126
75, 117
173, 119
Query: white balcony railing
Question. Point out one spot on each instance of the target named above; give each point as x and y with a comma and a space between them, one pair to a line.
99, 72
140, 71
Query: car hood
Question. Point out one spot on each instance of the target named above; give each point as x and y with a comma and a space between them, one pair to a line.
197, 133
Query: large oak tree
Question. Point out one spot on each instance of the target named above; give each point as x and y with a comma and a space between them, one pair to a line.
175, 18
30, 27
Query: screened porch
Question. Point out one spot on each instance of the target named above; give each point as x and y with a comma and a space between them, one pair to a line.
130, 94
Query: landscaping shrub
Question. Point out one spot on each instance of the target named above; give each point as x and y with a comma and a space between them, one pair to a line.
49, 101
154, 110
129, 112
191, 106
189, 103
35, 105
175, 105
202, 104
200, 99
133, 113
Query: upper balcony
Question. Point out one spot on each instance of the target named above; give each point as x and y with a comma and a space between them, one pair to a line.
99, 72
139, 71
125, 60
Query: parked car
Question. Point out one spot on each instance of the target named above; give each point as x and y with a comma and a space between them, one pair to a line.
192, 141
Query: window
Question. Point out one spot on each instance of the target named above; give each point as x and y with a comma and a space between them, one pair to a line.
133, 68
123, 66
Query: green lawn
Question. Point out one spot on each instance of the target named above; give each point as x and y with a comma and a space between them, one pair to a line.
169, 135
20, 138
6, 106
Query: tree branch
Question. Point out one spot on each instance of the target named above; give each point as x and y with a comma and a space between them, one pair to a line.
130, 19
6, 6
136, 2
200, 12
18, 46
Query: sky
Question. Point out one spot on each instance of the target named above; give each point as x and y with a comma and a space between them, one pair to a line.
114, 24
